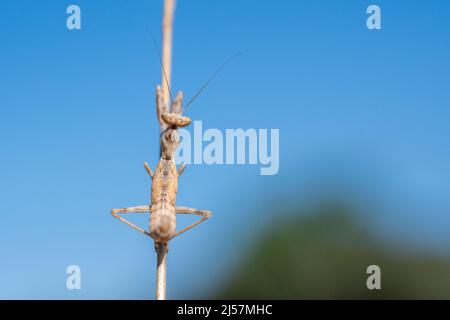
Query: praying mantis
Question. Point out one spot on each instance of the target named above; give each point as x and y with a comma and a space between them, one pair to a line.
162, 206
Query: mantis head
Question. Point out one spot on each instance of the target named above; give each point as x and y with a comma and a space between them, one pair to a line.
170, 138
174, 118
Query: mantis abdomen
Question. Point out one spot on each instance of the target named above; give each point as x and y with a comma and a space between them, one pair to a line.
162, 221
164, 192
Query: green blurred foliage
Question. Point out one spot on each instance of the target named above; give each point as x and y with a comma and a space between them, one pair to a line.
324, 254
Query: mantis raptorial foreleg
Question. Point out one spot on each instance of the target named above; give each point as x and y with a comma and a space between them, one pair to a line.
139, 209
185, 210
177, 103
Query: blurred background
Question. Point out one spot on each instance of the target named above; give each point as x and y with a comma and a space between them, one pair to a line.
364, 149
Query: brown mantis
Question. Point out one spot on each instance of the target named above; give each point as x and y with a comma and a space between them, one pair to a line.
162, 207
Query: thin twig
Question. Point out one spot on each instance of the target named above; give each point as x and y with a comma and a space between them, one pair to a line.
161, 271
167, 31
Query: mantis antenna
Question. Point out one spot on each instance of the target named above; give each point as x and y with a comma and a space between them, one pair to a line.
209, 80
162, 65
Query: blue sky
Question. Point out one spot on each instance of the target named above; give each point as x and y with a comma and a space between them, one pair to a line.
361, 111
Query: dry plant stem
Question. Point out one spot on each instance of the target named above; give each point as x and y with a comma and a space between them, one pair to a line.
161, 271
166, 72
167, 29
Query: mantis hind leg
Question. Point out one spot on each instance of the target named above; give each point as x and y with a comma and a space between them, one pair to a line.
185, 210
139, 209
